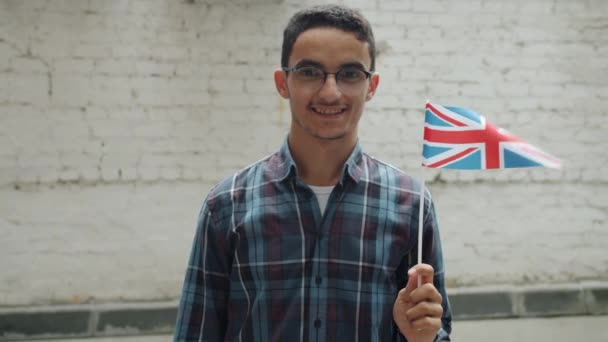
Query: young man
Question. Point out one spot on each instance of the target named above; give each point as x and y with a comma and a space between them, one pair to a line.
318, 241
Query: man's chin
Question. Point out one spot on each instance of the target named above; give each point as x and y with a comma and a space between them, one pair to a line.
330, 136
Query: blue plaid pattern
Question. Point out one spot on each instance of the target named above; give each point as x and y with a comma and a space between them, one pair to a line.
267, 266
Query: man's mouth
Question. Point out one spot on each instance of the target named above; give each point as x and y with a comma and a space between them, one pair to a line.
327, 111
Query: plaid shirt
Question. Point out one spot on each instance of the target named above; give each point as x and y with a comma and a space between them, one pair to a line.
267, 266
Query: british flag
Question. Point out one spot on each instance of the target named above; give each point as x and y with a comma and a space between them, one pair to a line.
459, 138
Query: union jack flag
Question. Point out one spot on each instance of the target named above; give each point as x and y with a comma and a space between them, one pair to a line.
458, 138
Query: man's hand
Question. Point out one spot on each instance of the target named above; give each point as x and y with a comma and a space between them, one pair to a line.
417, 310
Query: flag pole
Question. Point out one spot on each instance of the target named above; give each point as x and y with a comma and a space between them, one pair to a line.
421, 213
420, 225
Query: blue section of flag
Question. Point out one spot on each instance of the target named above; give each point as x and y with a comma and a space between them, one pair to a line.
434, 120
429, 151
467, 113
470, 162
513, 159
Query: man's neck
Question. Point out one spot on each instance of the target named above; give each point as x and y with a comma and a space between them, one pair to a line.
320, 161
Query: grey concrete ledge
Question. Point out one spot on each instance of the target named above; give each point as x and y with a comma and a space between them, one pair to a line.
21, 323
590, 298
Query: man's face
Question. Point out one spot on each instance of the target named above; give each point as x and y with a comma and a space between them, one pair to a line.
329, 111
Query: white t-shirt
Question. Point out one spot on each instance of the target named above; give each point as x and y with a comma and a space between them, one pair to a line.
322, 193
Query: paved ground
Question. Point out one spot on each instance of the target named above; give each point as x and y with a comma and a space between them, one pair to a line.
561, 329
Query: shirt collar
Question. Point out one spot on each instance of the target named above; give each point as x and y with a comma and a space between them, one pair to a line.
286, 166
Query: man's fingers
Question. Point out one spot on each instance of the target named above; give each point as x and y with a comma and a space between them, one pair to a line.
411, 286
425, 271
426, 292
424, 309
427, 323
421, 270
418, 308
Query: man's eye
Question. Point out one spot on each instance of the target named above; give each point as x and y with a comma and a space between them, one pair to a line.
310, 72
351, 74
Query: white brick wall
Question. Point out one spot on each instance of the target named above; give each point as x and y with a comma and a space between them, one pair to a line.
137, 91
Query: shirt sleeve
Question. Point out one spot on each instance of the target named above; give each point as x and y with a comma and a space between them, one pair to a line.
202, 311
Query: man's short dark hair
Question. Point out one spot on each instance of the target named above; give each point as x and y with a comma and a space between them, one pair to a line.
335, 16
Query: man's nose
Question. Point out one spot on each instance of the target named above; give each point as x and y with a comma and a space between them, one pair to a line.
329, 89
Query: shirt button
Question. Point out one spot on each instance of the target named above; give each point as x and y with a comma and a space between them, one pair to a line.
318, 280
317, 323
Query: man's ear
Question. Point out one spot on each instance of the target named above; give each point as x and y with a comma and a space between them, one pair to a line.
374, 79
280, 81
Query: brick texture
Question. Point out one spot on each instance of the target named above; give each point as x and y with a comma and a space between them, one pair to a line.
534, 67
125, 93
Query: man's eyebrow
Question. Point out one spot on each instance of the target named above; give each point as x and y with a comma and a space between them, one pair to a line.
308, 62
353, 65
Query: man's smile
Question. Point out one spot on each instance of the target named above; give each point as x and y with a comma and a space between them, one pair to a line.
328, 111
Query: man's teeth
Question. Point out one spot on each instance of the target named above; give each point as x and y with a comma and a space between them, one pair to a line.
328, 111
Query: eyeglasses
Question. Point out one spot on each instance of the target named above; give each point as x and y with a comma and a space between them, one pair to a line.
350, 80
